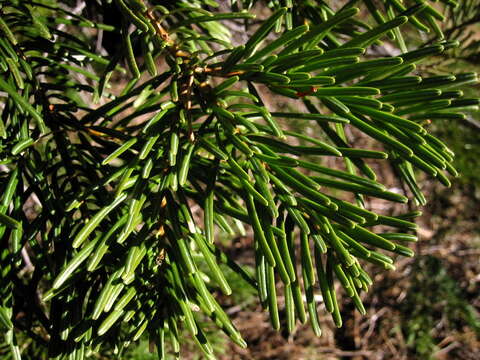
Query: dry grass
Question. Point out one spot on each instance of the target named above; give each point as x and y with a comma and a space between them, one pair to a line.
392, 329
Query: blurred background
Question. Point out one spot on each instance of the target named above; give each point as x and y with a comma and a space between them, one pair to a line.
429, 307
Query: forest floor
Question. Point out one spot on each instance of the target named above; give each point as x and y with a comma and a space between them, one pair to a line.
427, 309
